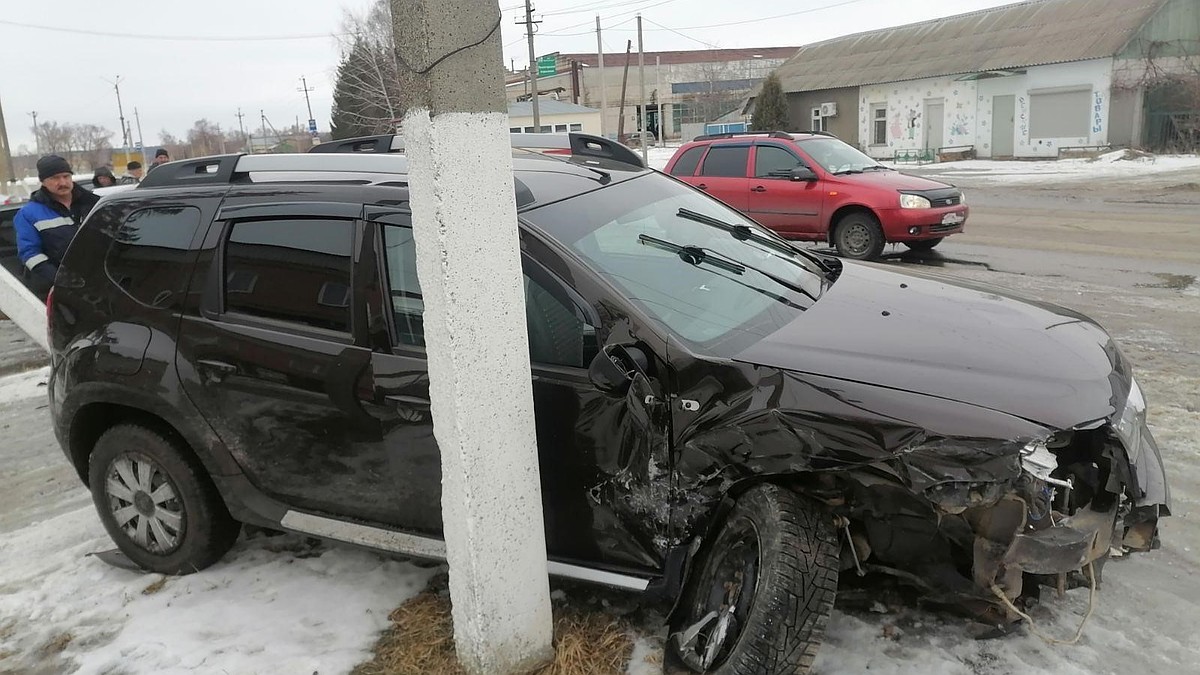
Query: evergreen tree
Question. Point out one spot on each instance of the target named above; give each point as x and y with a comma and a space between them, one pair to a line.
770, 107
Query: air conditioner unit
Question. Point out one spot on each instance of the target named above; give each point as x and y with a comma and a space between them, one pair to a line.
829, 110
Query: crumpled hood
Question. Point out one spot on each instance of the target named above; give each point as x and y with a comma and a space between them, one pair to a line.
957, 340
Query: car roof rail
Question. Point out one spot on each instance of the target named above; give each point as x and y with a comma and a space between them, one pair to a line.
215, 170
224, 169
578, 144
735, 134
830, 134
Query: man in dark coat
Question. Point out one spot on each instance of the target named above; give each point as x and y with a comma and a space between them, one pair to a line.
47, 224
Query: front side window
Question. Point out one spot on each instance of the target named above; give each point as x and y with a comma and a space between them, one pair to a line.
726, 162
772, 161
149, 253
558, 332
295, 270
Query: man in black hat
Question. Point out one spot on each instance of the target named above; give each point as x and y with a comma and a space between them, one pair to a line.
46, 225
161, 156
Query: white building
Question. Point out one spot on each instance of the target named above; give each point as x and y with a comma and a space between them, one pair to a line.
1023, 80
555, 116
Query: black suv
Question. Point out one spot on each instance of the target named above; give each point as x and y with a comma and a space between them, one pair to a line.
723, 420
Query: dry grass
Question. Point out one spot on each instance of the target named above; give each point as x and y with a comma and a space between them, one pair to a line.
58, 644
155, 587
421, 640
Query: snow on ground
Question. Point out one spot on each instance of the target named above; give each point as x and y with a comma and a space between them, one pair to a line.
1109, 165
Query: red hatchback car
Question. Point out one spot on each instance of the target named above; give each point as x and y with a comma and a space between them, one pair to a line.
812, 186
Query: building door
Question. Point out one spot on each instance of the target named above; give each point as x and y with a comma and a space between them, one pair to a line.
935, 121
1004, 111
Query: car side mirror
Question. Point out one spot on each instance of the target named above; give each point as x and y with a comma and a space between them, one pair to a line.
803, 174
614, 368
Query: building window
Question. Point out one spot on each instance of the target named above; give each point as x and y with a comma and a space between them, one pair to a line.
1060, 113
576, 127
560, 128
818, 122
529, 130
879, 124
514, 130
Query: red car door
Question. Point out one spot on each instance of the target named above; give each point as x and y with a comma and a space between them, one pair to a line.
723, 174
790, 207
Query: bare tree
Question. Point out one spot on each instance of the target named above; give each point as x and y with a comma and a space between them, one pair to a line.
93, 143
1168, 75
204, 138
367, 95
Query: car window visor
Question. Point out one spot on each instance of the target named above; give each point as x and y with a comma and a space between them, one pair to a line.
697, 256
747, 233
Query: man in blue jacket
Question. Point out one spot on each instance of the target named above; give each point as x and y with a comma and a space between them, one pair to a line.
46, 225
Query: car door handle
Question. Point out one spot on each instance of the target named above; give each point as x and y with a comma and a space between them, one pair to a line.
217, 370
758, 188
702, 186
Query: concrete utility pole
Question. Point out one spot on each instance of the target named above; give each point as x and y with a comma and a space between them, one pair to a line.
10, 174
530, 24
658, 97
642, 97
242, 130
125, 140
37, 134
480, 381
624, 87
603, 83
141, 143
305, 88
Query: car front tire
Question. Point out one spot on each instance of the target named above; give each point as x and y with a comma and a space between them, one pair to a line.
157, 502
859, 237
762, 590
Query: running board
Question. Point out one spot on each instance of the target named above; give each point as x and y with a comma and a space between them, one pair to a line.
435, 549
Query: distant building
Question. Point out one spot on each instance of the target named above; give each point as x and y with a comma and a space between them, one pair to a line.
693, 86
555, 116
1021, 80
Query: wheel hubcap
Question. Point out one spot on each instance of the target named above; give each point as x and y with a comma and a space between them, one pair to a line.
857, 238
144, 503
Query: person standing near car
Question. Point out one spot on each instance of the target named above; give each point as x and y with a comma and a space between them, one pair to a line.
133, 173
46, 225
161, 156
103, 177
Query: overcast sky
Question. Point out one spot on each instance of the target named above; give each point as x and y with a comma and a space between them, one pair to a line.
180, 62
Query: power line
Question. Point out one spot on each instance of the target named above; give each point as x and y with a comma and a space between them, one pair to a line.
172, 38
764, 18
689, 37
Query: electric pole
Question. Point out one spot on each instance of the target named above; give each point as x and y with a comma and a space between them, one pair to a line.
642, 98
125, 140
624, 87
603, 83
242, 129
530, 25
311, 120
658, 97
141, 141
481, 400
37, 134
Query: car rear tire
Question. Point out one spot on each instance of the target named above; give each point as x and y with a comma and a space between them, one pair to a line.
761, 592
858, 237
924, 244
157, 502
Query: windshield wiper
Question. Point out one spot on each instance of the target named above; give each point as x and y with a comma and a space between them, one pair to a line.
878, 167
695, 255
745, 232
847, 172
692, 255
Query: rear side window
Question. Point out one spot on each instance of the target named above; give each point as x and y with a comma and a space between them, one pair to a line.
294, 270
149, 254
726, 162
686, 166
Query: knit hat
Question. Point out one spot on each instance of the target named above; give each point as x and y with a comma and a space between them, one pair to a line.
162, 152
52, 165
133, 165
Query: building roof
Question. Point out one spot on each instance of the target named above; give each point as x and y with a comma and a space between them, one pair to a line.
678, 57
1033, 33
548, 106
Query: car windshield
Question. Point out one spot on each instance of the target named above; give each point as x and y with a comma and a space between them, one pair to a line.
836, 157
703, 271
